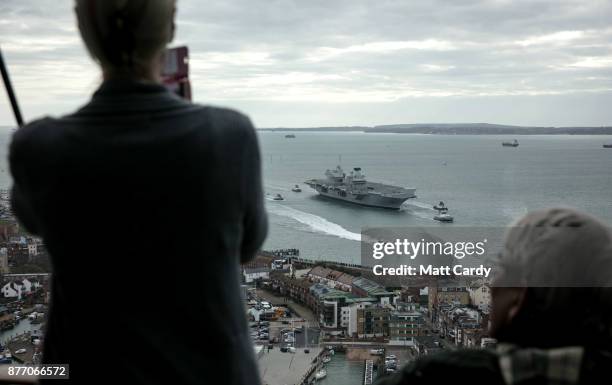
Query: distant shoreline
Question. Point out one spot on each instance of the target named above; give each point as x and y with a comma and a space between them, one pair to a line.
439, 129
454, 129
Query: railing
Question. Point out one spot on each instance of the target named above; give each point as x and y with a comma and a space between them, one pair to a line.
306, 261
368, 375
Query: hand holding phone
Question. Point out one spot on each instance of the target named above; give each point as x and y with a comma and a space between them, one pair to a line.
175, 71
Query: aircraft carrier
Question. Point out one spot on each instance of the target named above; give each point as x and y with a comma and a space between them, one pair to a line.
354, 188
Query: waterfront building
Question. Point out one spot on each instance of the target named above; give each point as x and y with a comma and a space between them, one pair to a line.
252, 274
373, 321
332, 278
448, 293
328, 304
16, 288
296, 289
4, 267
404, 327
480, 296
349, 313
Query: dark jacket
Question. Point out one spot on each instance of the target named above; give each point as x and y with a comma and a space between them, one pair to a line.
147, 205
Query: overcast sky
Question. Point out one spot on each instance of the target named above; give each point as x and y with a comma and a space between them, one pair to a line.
348, 62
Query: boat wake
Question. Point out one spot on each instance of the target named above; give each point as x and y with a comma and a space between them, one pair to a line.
421, 205
270, 197
277, 187
419, 209
314, 223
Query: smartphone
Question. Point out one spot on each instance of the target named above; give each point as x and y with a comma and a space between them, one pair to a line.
175, 71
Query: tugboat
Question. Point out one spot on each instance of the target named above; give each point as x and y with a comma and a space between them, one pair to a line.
440, 206
514, 143
278, 197
442, 215
296, 188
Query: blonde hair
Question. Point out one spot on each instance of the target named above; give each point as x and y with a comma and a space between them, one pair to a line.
125, 35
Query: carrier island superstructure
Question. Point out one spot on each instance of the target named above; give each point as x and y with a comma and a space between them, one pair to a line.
354, 188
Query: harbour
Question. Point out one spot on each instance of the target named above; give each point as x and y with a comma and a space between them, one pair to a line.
483, 183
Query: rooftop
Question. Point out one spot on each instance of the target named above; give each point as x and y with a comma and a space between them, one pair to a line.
320, 271
325, 292
371, 287
430, 342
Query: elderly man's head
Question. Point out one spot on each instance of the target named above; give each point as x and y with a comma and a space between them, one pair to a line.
127, 37
554, 285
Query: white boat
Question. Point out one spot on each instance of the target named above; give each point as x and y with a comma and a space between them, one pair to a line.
443, 217
326, 359
321, 374
296, 188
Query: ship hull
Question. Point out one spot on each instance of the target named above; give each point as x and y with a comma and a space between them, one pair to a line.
369, 200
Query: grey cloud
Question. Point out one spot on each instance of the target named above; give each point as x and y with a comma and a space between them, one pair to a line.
277, 53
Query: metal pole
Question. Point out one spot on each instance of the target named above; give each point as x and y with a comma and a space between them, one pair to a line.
10, 92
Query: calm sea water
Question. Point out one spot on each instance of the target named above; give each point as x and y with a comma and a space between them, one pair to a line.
482, 182
341, 371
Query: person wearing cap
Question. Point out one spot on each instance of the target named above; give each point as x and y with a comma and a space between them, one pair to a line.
147, 205
551, 310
